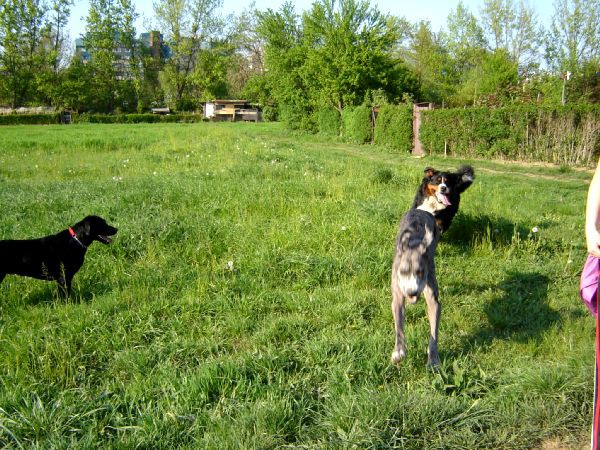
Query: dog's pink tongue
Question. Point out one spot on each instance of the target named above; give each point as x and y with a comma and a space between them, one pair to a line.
442, 198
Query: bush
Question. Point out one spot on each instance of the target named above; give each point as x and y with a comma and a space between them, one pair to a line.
138, 118
49, 119
296, 118
30, 119
329, 122
357, 125
562, 135
393, 127
270, 114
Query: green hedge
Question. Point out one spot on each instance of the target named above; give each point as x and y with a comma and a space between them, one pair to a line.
137, 118
329, 122
356, 125
564, 135
393, 127
48, 119
30, 119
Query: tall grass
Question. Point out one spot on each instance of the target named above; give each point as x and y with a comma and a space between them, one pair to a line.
245, 300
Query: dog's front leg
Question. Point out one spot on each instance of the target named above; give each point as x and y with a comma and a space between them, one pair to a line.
64, 282
63, 289
433, 313
398, 313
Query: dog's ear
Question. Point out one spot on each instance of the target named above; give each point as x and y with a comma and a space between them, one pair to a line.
429, 171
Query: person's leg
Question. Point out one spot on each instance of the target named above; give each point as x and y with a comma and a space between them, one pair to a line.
596, 420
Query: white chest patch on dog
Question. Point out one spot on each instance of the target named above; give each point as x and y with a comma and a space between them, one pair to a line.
410, 285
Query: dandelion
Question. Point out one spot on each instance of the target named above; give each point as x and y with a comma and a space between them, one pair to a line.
535, 230
343, 228
230, 266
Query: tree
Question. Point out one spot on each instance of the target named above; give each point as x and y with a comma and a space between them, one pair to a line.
110, 40
573, 44
350, 53
60, 13
574, 36
76, 90
465, 39
335, 56
188, 26
248, 59
429, 59
512, 28
489, 83
284, 56
22, 28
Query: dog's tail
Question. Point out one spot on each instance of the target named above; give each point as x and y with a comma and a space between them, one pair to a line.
414, 234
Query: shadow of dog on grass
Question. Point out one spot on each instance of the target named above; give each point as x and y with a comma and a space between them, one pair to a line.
521, 313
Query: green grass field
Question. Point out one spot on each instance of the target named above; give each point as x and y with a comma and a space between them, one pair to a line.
245, 300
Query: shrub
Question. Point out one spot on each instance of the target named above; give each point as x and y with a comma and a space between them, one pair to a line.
297, 118
329, 121
393, 127
270, 114
137, 118
30, 119
357, 124
562, 135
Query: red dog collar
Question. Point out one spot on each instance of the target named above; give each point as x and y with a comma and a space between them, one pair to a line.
74, 236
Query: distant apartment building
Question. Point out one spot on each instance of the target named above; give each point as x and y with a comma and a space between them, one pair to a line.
81, 52
152, 42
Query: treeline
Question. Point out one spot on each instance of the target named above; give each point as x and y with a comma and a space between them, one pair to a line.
339, 54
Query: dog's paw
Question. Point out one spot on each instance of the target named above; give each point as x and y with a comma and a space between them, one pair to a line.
397, 356
433, 362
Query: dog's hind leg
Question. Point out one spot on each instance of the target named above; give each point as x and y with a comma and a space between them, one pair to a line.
398, 313
433, 312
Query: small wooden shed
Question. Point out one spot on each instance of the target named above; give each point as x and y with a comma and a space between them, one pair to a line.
231, 110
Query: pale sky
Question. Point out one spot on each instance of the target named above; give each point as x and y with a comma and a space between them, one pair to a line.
436, 11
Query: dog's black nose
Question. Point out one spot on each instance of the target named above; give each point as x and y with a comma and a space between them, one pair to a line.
412, 293
443, 189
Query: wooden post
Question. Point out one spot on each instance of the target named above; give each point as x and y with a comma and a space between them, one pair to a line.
417, 149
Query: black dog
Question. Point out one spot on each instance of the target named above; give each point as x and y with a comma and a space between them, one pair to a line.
447, 187
56, 257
